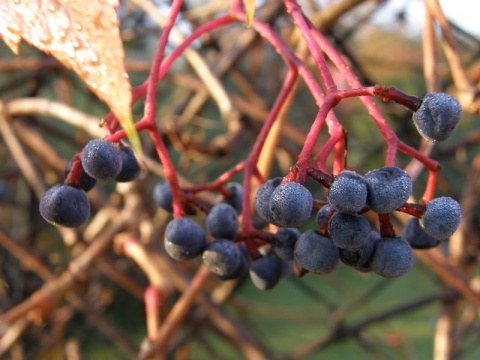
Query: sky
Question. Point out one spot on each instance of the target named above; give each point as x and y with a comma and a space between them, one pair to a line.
464, 13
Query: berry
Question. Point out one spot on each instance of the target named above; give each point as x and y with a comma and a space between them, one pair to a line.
86, 181
348, 192
101, 159
291, 204
388, 189
184, 239
241, 269
417, 237
236, 196
323, 214
283, 242
349, 232
222, 257
316, 253
130, 166
162, 195
361, 258
392, 257
266, 271
441, 218
65, 205
222, 221
437, 116
262, 198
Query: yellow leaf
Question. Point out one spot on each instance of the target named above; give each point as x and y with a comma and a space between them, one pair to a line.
249, 10
85, 37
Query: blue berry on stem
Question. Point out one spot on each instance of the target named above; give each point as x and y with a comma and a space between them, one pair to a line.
235, 198
392, 257
184, 239
65, 205
101, 159
348, 192
316, 253
417, 237
162, 195
222, 257
361, 259
322, 215
266, 271
130, 166
291, 205
86, 182
222, 221
437, 116
441, 218
349, 232
388, 189
262, 198
283, 242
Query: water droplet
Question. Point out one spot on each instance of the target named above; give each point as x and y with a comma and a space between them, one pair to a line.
78, 27
92, 56
76, 44
52, 7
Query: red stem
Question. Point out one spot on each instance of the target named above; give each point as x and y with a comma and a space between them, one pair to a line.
299, 20
388, 134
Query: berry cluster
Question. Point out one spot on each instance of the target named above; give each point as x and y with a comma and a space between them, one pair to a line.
231, 249
67, 204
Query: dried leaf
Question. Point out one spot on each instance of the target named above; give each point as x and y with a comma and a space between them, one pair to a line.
249, 10
85, 37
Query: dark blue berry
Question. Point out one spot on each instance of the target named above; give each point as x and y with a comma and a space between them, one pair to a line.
417, 237
222, 257
235, 198
291, 204
65, 205
437, 116
262, 198
283, 242
322, 215
86, 183
101, 159
361, 258
388, 189
349, 232
162, 195
392, 257
130, 167
266, 271
316, 253
184, 239
441, 218
348, 192
222, 221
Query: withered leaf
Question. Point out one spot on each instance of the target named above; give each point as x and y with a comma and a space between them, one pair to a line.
84, 36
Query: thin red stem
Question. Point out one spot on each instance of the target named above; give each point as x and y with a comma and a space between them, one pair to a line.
299, 20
